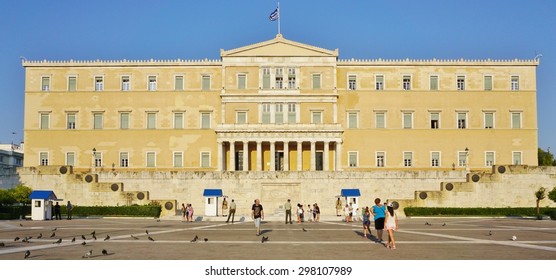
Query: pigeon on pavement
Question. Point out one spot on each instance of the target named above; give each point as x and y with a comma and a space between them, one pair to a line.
2, 244
304, 229
55, 229
88, 254
94, 232
94, 237
107, 237
27, 254
194, 239
53, 234
514, 238
16, 238
104, 252
264, 239
83, 237
134, 237
147, 231
151, 239
84, 243
40, 236
73, 240
58, 242
206, 239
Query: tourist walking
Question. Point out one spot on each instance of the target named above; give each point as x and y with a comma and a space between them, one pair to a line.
232, 211
309, 213
288, 208
224, 207
346, 213
299, 213
189, 213
378, 211
391, 225
366, 222
316, 212
57, 212
258, 215
183, 212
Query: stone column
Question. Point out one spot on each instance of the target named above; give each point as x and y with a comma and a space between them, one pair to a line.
259, 156
272, 155
220, 164
245, 156
286, 156
299, 156
313, 156
338, 164
326, 160
232, 166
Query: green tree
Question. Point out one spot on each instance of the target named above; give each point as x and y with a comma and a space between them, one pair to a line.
6, 197
21, 194
540, 195
546, 158
552, 194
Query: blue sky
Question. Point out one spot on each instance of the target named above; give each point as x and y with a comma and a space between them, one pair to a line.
471, 29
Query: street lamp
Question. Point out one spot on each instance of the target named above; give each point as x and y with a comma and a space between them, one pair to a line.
466, 159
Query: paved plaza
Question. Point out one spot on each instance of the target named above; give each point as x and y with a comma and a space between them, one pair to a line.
330, 239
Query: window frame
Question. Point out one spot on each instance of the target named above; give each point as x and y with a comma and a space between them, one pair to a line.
70, 77
48, 86
405, 161
174, 154
514, 87
68, 126
121, 123
125, 86
404, 125
461, 86
466, 120
352, 82
407, 86
153, 153
377, 161
123, 162
493, 158
520, 123
437, 82
439, 162
152, 82
176, 82
380, 85
44, 120
208, 155
356, 155
485, 124
202, 115
98, 85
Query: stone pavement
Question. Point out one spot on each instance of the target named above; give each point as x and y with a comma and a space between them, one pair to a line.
330, 239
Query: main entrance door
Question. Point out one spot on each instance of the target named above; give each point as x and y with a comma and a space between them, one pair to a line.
279, 161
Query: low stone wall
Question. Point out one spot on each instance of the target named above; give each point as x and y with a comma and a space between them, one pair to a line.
514, 187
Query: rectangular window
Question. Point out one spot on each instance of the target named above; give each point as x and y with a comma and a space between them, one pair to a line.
241, 81
151, 120
70, 158
515, 83
435, 159
292, 113
462, 120
205, 120
516, 120
124, 159
291, 78
178, 120
353, 119
98, 159
151, 159
316, 81
489, 120
406, 82
206, 82
43, 158
71, 119
97, 120
462, 159
126, 83
380, 159
488, 82
152, 83
178, 83
124, 120
380, 120
45, 120
489, 159
178, 159
516, 158
266, 78
435, 120
279, 113
379, 82
265, 114
241, 117
279, 79
72, 83
407, 159
352, 82
45, 84
433, 82
352, 157
407, 120
99, 83
316, 117
205, 159
460, 81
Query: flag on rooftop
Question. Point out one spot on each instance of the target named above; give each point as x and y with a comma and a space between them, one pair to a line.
274, 15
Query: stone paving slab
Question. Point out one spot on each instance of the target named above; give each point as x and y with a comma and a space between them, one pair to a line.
330, 239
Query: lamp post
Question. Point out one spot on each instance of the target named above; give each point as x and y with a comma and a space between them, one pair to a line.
466, 159
94, 169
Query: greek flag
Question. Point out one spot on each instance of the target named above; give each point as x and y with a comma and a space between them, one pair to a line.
274, 15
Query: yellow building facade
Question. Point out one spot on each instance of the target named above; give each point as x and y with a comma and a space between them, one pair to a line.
280, 105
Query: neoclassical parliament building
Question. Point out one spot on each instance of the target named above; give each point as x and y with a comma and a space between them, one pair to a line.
280, 105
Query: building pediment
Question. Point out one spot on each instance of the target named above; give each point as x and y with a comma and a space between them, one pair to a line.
279, 46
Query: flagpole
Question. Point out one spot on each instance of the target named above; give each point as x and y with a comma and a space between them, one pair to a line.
279, 18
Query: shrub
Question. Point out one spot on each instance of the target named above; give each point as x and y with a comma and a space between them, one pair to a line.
126, 211
433, 211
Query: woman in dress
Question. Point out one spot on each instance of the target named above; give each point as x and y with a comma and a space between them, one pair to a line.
391, 225
189, 213
366, 222
183, 212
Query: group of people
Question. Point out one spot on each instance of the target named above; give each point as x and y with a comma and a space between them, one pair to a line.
58, 212
385, 219
186, 212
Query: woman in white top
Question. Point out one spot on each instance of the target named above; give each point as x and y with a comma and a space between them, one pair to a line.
391, 225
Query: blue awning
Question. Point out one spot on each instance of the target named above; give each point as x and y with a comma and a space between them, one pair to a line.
43, 195
212, 192
351, 192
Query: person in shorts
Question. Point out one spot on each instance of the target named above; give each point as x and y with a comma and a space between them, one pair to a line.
366, 222
257, 215
379, 212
